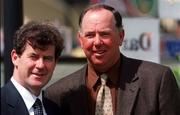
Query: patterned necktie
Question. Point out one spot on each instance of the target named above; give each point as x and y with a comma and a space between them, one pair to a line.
38, 110
104, 99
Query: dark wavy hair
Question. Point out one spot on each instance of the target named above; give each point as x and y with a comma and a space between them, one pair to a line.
39, 35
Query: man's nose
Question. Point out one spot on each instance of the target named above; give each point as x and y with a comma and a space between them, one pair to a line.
40, 63
97, 40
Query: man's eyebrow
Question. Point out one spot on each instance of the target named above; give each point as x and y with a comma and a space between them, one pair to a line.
105, 30
32, 53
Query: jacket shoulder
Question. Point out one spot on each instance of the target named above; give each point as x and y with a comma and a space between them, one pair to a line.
67, 84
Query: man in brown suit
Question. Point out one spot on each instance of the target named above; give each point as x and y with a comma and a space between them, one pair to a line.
137, 87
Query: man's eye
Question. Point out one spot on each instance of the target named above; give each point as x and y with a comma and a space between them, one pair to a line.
90, 35
33, 57
104, 34
48, 58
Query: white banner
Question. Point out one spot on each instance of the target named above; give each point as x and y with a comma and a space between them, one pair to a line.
169, 9
141, 39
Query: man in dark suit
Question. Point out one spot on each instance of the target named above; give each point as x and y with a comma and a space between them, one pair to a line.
37, 47
136, 87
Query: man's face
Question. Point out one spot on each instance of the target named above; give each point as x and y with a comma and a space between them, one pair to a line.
34, 68
100, 39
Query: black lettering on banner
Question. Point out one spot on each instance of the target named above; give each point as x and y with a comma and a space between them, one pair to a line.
144, 43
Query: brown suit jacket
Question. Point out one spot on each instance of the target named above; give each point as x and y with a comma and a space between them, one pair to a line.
145, 88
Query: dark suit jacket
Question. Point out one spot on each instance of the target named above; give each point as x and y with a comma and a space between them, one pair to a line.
145, 88
13, 104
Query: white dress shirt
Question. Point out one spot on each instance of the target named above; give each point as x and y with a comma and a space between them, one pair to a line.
28, 97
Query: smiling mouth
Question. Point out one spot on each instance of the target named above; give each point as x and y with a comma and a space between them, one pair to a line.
99, 53
39, 74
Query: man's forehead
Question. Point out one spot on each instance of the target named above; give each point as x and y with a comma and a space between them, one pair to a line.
100, 30
98, 17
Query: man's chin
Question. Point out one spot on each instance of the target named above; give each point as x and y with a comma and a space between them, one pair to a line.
98, 63
38, 83
99, 67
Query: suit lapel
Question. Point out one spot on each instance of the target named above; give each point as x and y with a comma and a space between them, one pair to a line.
126, 98
129, 86
51, 108
80, 95
14, 100
80, 99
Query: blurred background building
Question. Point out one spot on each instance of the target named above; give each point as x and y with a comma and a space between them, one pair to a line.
152, 30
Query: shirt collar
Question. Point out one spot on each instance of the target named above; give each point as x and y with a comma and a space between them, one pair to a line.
28, 98
92, 76
113, 72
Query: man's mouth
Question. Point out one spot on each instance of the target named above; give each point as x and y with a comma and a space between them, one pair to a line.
99, 53
39, 74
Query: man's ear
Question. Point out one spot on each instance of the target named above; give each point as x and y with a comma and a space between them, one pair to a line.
79, 36
14, 57
121, 36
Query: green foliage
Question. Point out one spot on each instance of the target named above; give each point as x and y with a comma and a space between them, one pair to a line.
176, 71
